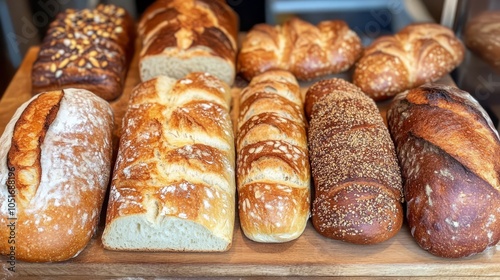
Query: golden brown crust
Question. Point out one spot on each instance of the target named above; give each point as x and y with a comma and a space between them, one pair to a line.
417, 54
482, 36
305, 50
88, 49
354, 166
449, 161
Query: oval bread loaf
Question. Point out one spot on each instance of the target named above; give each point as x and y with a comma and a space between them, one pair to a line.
357, 181
448, 150
273, 165
55, 162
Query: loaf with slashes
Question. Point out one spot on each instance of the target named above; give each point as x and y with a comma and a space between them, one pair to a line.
173, 186
273, 166
357, 181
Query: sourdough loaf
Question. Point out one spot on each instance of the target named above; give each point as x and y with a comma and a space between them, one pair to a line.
273, 164
183, 36
55, 162
173, 186
306, 50
482, 36
89, 49
448, 150
419, 53
357, 181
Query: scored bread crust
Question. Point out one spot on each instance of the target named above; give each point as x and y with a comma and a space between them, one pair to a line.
272, 163
357, 181
448, 149
482, 36
89, 49
58, 148
173, 186
419, 53
307, 51
183, 36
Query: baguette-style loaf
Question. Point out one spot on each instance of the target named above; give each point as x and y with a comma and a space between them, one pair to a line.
306, 50
357, 181
55, 162
419, 53
184, 36
89, 49
482, 36
448, 149
273, 164
173, 186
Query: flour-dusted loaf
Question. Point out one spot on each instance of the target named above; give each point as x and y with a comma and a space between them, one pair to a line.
419, 53
89, 49
55, 162
173, 186
482, 36
358, 191
272, 159
183, 36
306, 50
449, 153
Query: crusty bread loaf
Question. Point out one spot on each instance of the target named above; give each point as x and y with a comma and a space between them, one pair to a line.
306, 50
448, 150
273, 164
173, 186
55, 162
357, 181
417, 54
482, 36
184, 36
89, 49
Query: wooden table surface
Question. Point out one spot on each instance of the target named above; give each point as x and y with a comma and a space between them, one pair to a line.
309, 256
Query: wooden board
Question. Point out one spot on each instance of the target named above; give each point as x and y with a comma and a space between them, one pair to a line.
310, 255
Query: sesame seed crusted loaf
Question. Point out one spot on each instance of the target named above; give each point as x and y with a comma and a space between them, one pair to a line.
55, 162
184, 36
419, 53
173, 186
89, 49
297, 46
448, 149
273, 165
482, 36
357, 181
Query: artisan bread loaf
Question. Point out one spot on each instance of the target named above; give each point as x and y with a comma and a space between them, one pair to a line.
419, 53
173, 186
306, 50
482, 36
89, 49
357, 181
55, 162
183, 36
448, 150
273, 164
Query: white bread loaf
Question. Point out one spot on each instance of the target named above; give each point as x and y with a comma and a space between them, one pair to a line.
273, 165
55, 162
173, 186
183, 36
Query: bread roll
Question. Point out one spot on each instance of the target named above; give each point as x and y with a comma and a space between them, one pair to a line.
173, 186
357, 181
273, 165
419, 53
183, 36
482, 36
297, 46
55, 162
89, 49
449, 151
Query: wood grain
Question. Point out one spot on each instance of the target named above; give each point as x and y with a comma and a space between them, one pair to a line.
309, 256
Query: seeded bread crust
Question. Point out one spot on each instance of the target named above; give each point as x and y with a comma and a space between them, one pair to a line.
89, 49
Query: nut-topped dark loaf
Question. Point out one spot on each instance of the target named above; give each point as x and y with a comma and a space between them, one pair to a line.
89, 49
353, 164
448, 149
